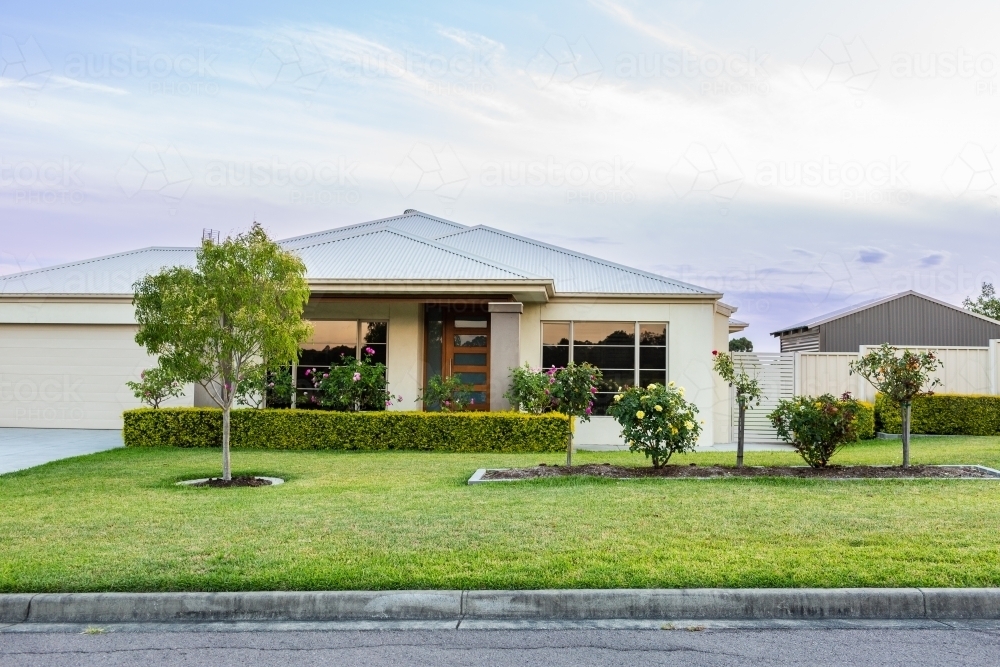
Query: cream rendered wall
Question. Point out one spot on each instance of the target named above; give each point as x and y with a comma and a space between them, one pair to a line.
405, 355
722, 415
691, 337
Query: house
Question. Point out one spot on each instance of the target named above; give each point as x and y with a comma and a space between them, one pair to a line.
430, 296
907, 318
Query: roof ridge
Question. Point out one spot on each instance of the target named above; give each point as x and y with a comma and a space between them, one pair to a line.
378, 221
580, 255
434, 244
83, 262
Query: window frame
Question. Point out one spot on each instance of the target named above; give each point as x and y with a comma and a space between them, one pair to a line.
358, 346
637, 369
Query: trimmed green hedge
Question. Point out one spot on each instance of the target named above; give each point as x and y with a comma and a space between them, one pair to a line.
943, 414
366, 431
866, 421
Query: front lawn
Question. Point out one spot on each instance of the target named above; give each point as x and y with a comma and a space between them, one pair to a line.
115, 521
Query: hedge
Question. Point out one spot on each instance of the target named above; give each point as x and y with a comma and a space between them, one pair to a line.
866, 421
943, 414
362, 431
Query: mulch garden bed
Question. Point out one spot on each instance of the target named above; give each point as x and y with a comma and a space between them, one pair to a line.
245, 480
693, 470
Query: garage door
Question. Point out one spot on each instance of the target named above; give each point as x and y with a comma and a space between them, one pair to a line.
68, 376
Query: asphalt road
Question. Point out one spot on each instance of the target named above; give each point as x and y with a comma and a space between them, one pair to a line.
502, 648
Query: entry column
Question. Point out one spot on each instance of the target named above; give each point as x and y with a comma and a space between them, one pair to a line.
505, 349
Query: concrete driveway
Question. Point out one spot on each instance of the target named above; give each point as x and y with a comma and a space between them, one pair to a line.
27, 447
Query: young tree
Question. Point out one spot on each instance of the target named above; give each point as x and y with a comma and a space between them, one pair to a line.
155, 385
900, 378
572, 390
216, 323
747, 392
987, 303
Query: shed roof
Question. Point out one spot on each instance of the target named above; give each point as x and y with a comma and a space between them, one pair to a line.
865, 305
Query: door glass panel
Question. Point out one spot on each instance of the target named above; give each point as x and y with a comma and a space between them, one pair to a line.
472, 378
470, 324
434, 329
470, 340
470, 359
478, 396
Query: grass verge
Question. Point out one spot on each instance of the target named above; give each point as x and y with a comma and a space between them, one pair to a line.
406, 520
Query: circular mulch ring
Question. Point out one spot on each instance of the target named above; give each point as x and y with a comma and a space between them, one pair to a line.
239, 481
715, 472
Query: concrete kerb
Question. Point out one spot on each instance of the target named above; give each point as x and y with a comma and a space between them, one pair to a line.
806, 604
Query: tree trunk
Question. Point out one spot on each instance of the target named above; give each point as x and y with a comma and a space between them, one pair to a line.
226, 471
739, 436
569, 443
906, 434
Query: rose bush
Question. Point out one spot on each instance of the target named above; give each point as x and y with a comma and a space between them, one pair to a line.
352, 386
447, 394
817, 426
656, 421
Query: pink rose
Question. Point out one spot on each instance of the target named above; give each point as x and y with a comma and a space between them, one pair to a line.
357, 376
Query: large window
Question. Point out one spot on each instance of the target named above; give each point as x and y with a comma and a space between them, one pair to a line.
333, 340
626, 352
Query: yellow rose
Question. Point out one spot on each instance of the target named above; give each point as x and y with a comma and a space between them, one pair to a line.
640, 414
689, 425
651, 387
658, 408
673, 430
680, 390
670, 384
618, 397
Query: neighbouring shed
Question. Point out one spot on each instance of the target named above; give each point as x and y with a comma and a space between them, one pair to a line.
908, 318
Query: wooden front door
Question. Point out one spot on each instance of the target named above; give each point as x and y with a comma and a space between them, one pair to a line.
466, 348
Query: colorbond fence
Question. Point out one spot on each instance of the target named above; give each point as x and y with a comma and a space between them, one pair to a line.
964, 370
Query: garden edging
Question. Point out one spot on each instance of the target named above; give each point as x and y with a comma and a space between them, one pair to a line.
577, 604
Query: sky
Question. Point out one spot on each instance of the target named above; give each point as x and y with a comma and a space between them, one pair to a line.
796, 156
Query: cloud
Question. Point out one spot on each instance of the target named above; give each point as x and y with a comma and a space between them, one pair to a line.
933, 259
872, 255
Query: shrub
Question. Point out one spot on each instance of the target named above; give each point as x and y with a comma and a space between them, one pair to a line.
943, 414
864, 423
353, 385
359, 431
447, 394
656, 421
529, 390
817, 426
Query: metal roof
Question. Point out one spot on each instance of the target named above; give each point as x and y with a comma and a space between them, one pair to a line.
411, 222
112, 274
573, 272
856, 308
390, 254
412, 246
